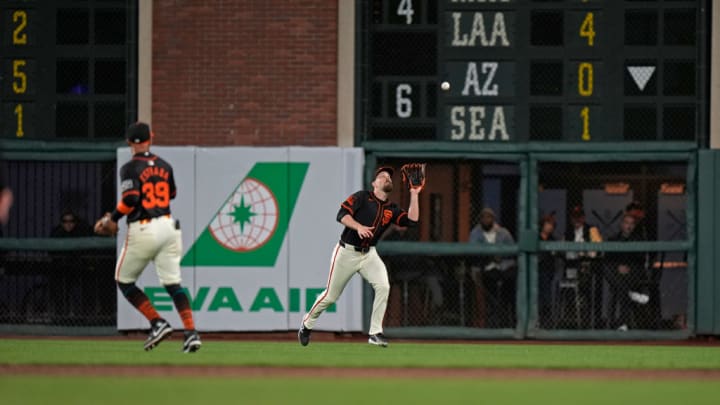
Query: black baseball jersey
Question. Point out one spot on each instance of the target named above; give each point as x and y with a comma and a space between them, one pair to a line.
369, 210
147, 186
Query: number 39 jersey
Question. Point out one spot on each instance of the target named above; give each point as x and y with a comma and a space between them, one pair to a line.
147, 186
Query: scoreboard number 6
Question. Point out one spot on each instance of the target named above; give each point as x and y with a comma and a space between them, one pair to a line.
403, 104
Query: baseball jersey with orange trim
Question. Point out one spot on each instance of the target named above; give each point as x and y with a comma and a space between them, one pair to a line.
147, 185
355, 255
368, 210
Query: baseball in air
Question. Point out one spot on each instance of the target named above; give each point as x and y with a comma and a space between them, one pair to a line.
445, 85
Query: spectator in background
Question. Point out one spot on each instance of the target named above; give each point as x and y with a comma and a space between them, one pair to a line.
636, 209
626, 277
69, 278
652, 275
580, 266
71, 226
496, 274
546, 272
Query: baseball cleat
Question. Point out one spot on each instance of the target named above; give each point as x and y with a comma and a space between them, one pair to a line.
304, 335
378, 340
192, 342
160, 330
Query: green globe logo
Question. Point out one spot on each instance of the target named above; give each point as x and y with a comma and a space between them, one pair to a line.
248, 219
249, 228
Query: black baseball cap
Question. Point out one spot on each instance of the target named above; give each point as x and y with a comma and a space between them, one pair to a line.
138, 132
388, 169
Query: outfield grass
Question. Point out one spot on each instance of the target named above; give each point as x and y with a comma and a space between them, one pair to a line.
357, 354
29, 390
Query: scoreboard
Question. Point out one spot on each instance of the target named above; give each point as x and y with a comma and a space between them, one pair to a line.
66, 68
533, 70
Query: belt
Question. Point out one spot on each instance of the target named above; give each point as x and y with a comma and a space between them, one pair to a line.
147, 220
356, 248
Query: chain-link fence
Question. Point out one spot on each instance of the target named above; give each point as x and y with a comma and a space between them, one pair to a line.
54, 274
464, 201
631, 287
502, 246
58, 288
470, 263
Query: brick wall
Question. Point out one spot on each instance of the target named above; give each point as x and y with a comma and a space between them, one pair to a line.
251, 72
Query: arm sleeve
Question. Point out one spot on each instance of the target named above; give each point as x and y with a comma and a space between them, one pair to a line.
401, 218
130, 189
350, 205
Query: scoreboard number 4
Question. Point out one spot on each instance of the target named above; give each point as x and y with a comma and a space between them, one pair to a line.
587, 29
405, 8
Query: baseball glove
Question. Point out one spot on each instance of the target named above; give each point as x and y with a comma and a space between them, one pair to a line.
105, 226
413, 174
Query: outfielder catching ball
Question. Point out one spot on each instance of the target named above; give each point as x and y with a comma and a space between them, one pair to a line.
366, 215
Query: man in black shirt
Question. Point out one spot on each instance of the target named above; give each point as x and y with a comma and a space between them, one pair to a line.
366, 215
147, 186
626, 277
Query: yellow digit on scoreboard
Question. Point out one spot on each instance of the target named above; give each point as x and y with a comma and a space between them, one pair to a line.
585, 116
587, 28
19, 112
20, 78
585, 79
19, 36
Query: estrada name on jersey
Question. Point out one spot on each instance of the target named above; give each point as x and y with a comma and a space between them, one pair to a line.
147, 185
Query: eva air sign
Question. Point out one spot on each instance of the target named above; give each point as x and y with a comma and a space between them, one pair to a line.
249, 227
258, 227
227, 298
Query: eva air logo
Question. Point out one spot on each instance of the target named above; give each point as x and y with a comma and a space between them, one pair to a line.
250, 226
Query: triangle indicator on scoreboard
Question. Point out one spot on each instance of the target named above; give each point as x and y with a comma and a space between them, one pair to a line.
641, 75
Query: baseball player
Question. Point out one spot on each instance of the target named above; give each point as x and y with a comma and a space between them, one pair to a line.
366, 215
147, 185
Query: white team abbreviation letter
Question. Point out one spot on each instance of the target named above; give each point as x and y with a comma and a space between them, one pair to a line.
471, 122
472, 79
498, 35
